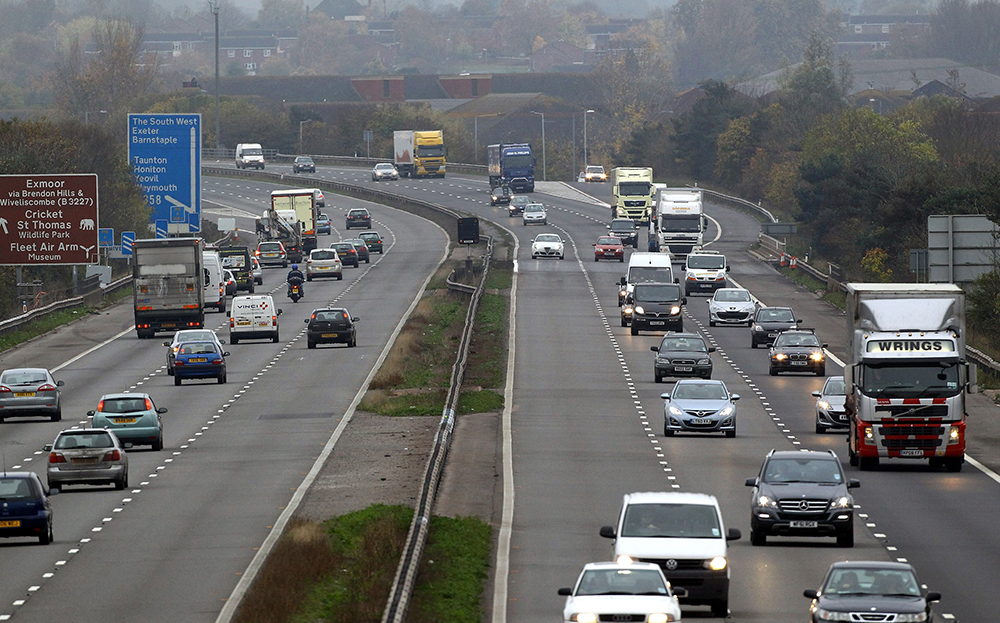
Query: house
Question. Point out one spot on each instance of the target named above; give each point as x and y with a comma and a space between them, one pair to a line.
341, 10
864, 34
250, 51
561, 56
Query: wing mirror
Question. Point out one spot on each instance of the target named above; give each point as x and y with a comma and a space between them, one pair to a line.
679, 592
734, 535
711, 349
47, 447
751, 482
565, 592
811, 593
817, 394
355, 318
166, 343
279, 312
161, 410
665, 395
91, 413
853, 483
60, 383
734, 397
655, 349
608, 532
225, 354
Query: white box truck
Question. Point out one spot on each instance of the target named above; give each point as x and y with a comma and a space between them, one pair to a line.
681, 220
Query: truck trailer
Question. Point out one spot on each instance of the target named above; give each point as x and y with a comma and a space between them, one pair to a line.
169, 288
906, 377
419, 154
301, 202
511, 164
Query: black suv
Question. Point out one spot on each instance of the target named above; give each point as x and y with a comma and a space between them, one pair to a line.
656, 307
359, 217
303, 163
769, 322
797, 350
802, 494
331, 326
625, 229
682, 354
864, 590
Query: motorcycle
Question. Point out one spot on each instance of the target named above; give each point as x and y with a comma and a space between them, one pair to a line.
295, 289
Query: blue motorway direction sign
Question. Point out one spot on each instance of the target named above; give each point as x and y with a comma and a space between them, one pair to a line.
128, 239
161, 228
105, 237
165, 153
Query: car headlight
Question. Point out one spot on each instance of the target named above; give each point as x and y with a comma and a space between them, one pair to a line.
829, 615
624, 559
627, 309
720, 276
757, 327
584, 617
675, 411
622, 292
914, 617
841, 502
726, 411
822, 404
639, 309
817, 356
780, 356
676, 309
716, 564
704, 362
660, 617
767, 502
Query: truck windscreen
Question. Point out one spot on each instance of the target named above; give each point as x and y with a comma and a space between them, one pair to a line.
633, 189
910, 380
518, 162
680, 222
430, 151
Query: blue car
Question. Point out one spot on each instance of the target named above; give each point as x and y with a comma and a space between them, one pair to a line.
323, 224
133, 417
200, 360
25, 509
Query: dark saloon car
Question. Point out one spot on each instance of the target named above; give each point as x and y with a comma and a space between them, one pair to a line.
656, 307
797, 351
364, 255
625, 228
609, 248
501, 196
682, 354
802, 494
373, 240
331, 326
347, 253
769, 322
864, 590
200, 360
359, 217
25, 510
303, 163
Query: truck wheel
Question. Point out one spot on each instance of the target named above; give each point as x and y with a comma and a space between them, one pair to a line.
852, 458
233, 339
867, 463
954, 464
309, 277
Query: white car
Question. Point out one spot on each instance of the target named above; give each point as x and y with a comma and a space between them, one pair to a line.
534, 214
384, 171
548, 245
731, 306
324, 263
609, 591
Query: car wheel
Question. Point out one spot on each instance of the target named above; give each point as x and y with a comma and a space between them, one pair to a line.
731, 433
353, 342
819, 429
666, 431
47, 537
711, 323
753, 344
57, 416
757, 537
562, 257
772, 372
846, 539
821, 371
657, 378
156, 447
621, 259
309, 277
310, 345
624, 322
634, 329
177, 380
222, 379
275, 338
120, 483
340, 277
368, 260
251, 289
284, 264
867, 463
720, 609
233, 339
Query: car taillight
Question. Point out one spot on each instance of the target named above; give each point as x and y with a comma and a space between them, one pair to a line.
257, 252
232, 323
149, 404
100, 406
56, 457
113, 455
48, 387
178, 363
274, 321
4, 389
216, 361
309, 261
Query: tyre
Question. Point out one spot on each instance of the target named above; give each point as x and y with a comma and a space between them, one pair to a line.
635, 244
309, 277
177, 380
757, 537
819, 429
621, 259
275, 338
852, 458
753, 344
562, 257
666, 431
846, 539
222, 379
657, 378
772, 372
157, 445
251, 289
821, 371
353, 342
120, 483
45, 539
711, 323
595, 259
233, 339
624, 322
340, 277
310, 345
634, 329
368, 260
731, 433
867, 463
57, 416
954, 464
534, 257
720, 609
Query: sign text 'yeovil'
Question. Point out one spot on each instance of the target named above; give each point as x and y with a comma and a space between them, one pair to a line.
48, 219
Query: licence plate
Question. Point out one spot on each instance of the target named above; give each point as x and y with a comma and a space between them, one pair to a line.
799, 363
322, 267
911, 453
270, 255
10, 524
243, 323
24, 394
842, 417
772, 335
684, 368
330, 334
701, 420
263, 323
124, 420
169, 324
654, 323
802, 524
198, 360
86, 459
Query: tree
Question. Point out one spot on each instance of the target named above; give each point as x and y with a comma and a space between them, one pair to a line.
282, 14
696, 133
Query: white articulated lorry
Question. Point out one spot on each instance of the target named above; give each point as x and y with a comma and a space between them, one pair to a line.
681, 220
906, 375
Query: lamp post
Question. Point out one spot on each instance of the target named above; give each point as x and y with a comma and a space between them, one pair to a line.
302, 123
544, 175
214, 7
585, 113
475, 141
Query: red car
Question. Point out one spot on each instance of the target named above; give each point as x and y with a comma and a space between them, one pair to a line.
609, 248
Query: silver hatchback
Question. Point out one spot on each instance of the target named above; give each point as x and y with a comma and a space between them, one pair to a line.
87, 456
30, 391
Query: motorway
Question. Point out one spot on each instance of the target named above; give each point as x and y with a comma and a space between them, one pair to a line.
586, 427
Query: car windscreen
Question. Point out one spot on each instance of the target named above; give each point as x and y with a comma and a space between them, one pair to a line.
657, 292
775, 315
595, 170
430, 151
15, 489
862, 581
649, 274
234, 261
75, 441
384, 167
547, 238
699, 391
359, 213
23, 377
331, 315
706, 262
270, 246
323, 255
534, 207
684, 344
680, 222
610, 241
803, 470
732, 296
122, 405
796, 340
515, 200
371, 236
623, 226
194, 336
688, 521
834, 387
304, 160
621, 582
197, 348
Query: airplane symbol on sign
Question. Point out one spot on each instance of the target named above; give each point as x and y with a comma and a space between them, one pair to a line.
3, 223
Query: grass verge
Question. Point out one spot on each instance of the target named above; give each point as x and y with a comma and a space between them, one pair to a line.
41, 326
804, 279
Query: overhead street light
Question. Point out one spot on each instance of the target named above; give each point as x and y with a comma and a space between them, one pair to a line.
302, 123
585, 113
213, 6
544, 175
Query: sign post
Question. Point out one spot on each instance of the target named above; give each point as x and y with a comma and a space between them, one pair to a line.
165, 153
48, 219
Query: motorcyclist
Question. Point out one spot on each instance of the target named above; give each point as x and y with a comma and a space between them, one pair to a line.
295, 276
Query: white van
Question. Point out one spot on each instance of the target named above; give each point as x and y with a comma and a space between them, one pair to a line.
215, 282
253, 317
645, 267
249, 155
683, 533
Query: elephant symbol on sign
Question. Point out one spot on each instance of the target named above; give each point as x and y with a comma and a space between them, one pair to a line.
87, 223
